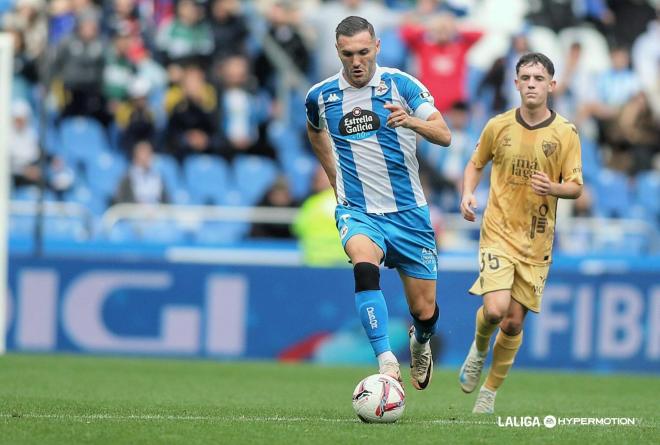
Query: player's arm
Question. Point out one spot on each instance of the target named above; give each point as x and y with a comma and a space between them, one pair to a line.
434, 129
473, 172
320, 141
542, 185
471, 178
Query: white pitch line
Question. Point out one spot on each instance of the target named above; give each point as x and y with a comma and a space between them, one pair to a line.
645, 423
138, 417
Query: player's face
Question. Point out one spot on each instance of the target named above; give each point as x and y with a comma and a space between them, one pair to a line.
358, 56
534, 84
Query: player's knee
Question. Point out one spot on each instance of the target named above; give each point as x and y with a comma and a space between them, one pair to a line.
367, 277
493, 315
511, 326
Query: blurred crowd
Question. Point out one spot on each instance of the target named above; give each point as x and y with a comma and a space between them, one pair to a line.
160, 84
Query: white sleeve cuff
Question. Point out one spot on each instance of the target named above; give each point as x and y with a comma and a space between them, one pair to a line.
424, 111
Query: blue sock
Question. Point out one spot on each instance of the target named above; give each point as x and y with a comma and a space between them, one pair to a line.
424, 329
372, 310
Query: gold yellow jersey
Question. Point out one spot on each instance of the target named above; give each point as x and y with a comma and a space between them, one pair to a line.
516, 219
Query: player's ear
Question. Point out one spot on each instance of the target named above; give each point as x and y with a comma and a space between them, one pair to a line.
377, 46
553, 85
517, 84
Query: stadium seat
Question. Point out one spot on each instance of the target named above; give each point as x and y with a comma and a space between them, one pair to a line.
206, 177
647, 191
94, 202
168, 168
591, 163
613, 195
297, 163
253, 176
104, 172
82, 139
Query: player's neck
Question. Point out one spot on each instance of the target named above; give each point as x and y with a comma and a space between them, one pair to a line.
534, 116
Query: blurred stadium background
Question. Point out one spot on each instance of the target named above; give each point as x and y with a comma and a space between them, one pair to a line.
164, 199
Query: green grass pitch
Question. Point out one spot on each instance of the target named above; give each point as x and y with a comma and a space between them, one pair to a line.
65, 399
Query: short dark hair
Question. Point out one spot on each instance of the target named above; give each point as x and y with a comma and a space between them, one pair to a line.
533, 58
353, 25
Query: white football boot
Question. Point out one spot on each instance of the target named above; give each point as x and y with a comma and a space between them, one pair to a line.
470, 372
485, 403
391, 368
421, 361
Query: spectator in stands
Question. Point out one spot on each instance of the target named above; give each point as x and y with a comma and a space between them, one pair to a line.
553, 14
119, 70
123, 19
630, 20
192, 123
23, 146
79, 64
321, 22
241, 111
441, 49
142, 183
646, 61
29, 19
25, 68
134, 119
315, 226
613, 89
278, 196
637, 130
62, 21
186, 36
570, 90
282, 28
228, 25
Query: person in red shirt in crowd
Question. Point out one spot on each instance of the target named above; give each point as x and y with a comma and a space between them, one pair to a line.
440, 49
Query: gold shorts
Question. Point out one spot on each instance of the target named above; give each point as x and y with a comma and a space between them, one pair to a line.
499, 271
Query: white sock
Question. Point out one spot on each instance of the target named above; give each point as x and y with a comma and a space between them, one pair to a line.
386, 356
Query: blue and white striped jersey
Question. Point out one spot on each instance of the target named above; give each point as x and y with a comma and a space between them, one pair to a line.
377, 171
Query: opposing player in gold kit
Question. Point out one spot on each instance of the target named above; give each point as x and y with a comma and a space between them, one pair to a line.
536, 160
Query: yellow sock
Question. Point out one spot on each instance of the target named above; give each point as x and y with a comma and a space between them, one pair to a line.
504, 352
484, 331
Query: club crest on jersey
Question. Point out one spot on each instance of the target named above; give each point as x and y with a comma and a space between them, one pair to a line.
382, 88
359, 124
548, 148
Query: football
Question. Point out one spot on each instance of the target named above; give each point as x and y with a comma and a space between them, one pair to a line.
379, 399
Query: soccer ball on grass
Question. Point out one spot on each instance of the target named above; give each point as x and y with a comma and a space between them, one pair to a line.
379, 399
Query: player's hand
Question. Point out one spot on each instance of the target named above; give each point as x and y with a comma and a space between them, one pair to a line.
468, 206
398, 116
541, 183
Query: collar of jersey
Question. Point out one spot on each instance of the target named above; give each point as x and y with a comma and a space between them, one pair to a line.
374, 82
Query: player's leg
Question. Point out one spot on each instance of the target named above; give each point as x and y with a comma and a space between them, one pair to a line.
494, 284
370, 303
420, 294
506, 347
489, 315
